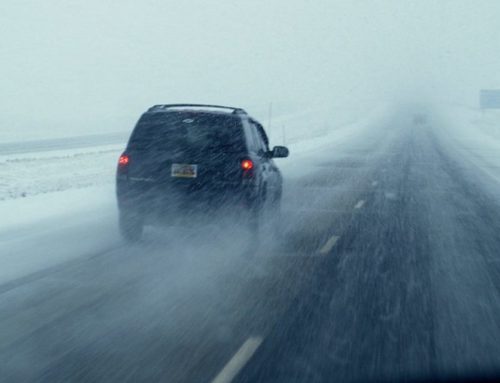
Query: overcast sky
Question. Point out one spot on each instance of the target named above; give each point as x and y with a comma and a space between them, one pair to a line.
98, 64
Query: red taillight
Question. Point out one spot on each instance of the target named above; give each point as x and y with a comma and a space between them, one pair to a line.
123, 160
247, 164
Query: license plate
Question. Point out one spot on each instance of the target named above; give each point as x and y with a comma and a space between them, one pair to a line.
184, 171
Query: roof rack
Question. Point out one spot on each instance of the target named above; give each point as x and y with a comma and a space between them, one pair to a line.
168, 106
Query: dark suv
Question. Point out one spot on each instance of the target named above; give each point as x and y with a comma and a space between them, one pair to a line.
186, 161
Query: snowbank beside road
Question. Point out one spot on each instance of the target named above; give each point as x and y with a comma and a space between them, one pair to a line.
307, 151
42, 231
474, 135
56, 206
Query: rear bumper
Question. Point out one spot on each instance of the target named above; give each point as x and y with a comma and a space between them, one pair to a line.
164, 204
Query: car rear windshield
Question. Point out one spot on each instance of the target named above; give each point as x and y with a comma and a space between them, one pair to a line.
173, 131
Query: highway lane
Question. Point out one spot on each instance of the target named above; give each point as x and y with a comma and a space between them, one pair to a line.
411, 291
386, 268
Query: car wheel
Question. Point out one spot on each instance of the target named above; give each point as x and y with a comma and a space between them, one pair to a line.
131, 227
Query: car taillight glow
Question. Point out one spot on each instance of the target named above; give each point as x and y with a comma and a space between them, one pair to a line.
123, 160
247, 164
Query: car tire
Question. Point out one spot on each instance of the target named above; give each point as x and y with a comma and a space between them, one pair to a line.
131, 227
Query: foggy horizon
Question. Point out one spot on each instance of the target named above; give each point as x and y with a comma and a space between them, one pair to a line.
95, 66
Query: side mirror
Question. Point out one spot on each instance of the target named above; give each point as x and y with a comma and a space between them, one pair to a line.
279, 152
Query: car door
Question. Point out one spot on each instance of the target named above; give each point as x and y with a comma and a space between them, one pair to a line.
269, 170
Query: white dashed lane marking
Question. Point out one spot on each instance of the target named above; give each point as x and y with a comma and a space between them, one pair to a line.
329, 244
238, 361
360, 204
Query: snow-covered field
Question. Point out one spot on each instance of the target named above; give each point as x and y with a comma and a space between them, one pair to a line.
29, 174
